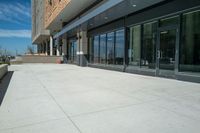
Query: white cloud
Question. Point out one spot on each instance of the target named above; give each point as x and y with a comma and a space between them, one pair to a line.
15, 12
15, 33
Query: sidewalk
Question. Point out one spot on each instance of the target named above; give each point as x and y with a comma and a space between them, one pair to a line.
48, 98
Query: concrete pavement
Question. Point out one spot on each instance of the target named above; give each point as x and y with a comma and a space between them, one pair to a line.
49, 98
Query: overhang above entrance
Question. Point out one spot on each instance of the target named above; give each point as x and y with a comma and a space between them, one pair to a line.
41, 37
73, 8
108, 11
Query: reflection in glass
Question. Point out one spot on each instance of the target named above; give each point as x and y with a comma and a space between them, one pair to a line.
149, 45
110, 48
69, 50
119, 47
72, 51
103, 49
134, 46
75, 51
96, 49
167, 49
190, 47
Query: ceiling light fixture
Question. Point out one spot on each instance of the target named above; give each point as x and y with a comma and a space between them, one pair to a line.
134, 5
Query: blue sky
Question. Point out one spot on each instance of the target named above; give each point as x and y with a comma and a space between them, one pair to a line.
15, 25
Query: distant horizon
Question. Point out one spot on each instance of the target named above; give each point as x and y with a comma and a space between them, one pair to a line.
15, 25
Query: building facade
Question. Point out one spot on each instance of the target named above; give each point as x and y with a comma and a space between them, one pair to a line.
40, 35
155, 37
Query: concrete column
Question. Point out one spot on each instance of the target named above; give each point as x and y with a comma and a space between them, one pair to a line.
83, 48
57, 50
64, 46
57, 47
84, 43
78, 48
51, 46
46, 44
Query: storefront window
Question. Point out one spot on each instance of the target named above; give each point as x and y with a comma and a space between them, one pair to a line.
110, 48
190, 46
135, 46
119, 47
149, 45
103, 49
72, 51
96, 49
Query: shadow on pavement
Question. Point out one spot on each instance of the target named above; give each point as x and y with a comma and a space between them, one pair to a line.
4, 83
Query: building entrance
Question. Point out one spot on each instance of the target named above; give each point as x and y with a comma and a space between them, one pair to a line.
166, 51
72, 51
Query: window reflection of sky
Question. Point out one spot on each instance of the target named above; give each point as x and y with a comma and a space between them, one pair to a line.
109, 48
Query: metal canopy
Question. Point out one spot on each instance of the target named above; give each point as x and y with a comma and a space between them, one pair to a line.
103, 7
108, 11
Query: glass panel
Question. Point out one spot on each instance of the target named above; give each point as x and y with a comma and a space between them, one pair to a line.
167, 49
119, 47
134, 46
74, 51
96, 49
110, 48
190, 47
149, 45
103, 49
69, 51
169, 21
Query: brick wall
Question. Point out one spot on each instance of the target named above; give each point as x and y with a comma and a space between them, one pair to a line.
52, 10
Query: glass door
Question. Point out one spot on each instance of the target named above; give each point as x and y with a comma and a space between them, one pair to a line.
72, 51
166, 52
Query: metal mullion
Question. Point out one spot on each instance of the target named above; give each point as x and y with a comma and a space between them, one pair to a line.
99, 50
141, 43
157, 49
106, 48
178, 43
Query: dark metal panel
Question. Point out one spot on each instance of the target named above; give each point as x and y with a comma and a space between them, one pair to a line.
123, 9
107, 28
82, 19
140, 72
161, 10
189, 78
183, 77
107, 67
